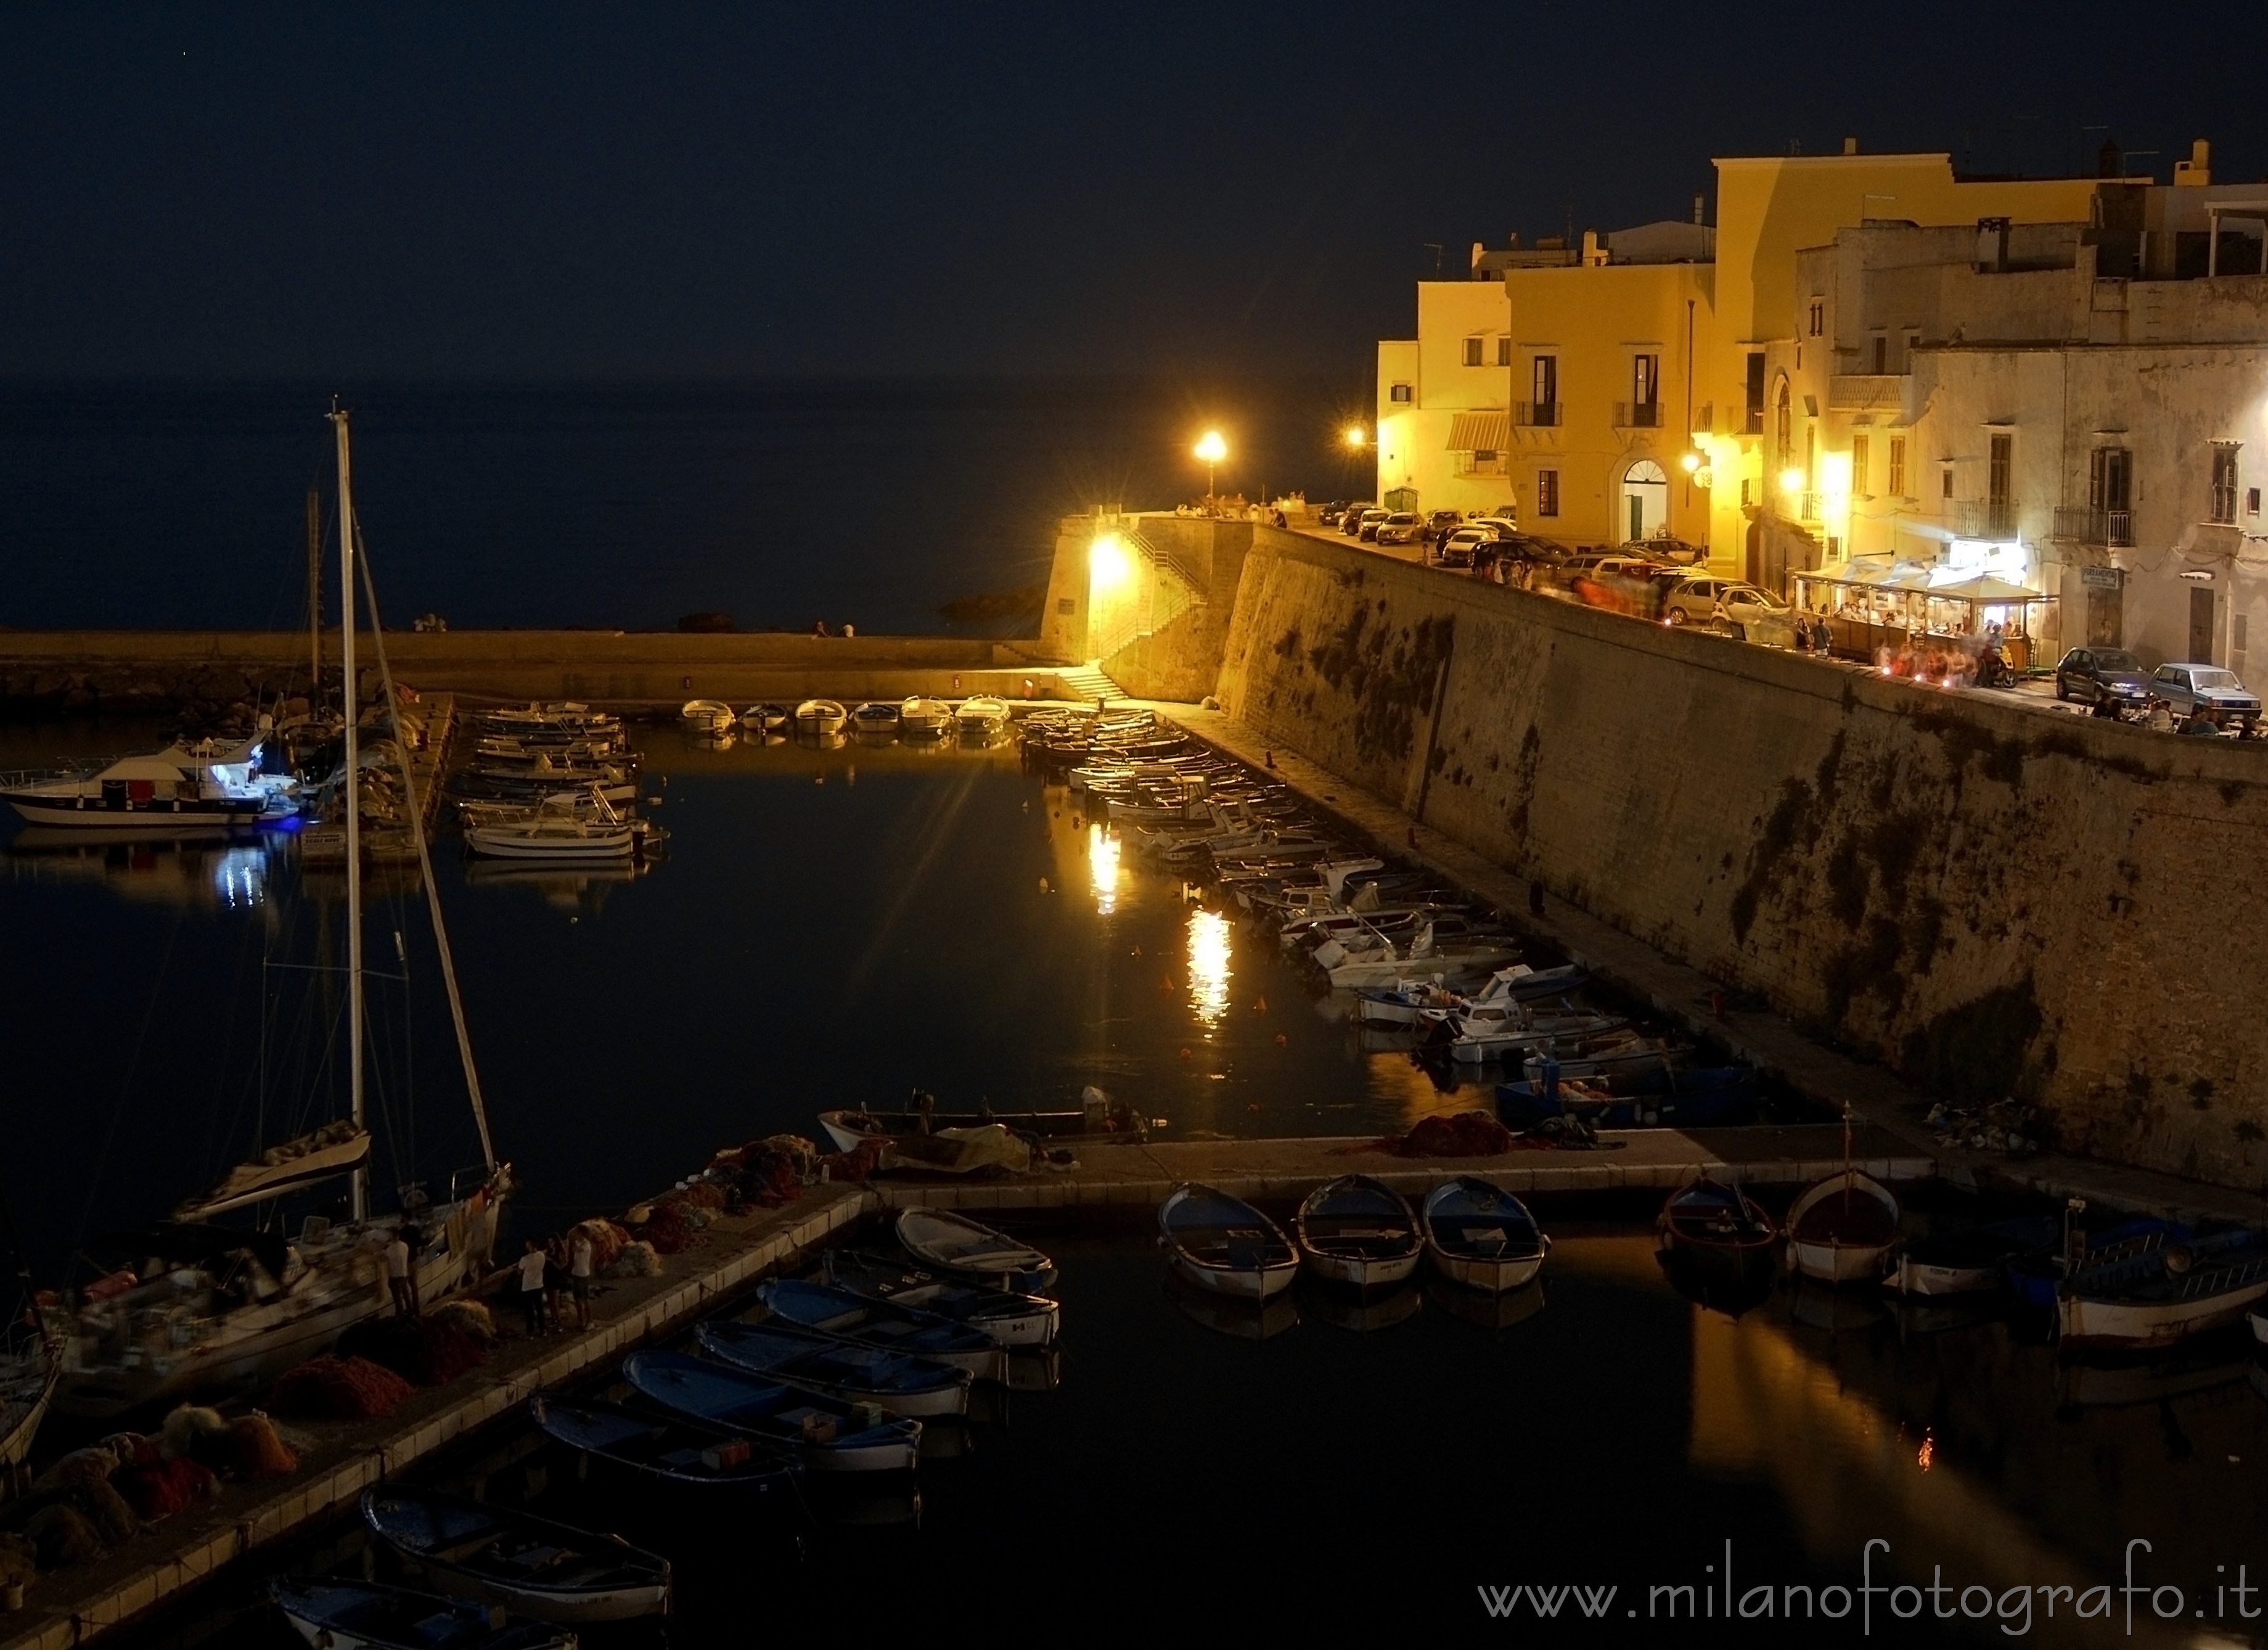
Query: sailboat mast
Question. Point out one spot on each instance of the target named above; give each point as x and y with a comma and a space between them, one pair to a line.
315, 595
354, 801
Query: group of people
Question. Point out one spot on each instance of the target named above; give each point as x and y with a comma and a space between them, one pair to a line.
849, 632
1234, 509
553, 1276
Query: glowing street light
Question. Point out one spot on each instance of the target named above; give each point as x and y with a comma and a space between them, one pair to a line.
1107, 564
1356, 438
1211, 450
1690, 463
1791, 479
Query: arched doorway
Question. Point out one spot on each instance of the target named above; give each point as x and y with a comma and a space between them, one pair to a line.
1645, 500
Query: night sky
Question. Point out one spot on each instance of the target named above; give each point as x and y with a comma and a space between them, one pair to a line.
514, 191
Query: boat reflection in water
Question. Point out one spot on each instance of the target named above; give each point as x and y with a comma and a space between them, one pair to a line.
1481, 1308
1238, 1318
1713, 1289
159, 867
1344, 1309
581, 889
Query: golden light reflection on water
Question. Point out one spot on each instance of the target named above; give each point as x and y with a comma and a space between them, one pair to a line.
1102, 868
1208, 969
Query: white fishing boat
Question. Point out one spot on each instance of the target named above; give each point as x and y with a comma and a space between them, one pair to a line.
1502, 1029
875, 717
919, 717
203, 1308
1480, 1235
766, 718
1842, 1230
1224, 1244
2160, 1287
561, 827
981, 716
202, 785
1358, 1230
820, 715
708, 716
965, 1249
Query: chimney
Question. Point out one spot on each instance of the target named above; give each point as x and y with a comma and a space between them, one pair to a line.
2197, 171
1594, 255
1698, 217
1478, 249
2108, 163
1850, 146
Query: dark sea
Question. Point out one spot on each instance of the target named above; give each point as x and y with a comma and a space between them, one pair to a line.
182, 503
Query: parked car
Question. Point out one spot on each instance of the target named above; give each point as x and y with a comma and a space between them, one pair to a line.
1457, 549
1756, 615
1442, 523
1504, 526
1351, 517
1328, 515
2193, 687
1661, 548
1399, 528
1607, 565
2109, 678
1693, 599
1367, 525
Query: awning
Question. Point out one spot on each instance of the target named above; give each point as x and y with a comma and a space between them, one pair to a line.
1480, 432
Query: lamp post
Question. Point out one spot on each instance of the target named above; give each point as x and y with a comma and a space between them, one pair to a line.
1210, 449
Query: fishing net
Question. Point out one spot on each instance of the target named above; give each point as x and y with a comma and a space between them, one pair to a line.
426, 1351
158, 1490
473, 1317
856, 1167
100, 1504
259, 1450
1463, 1134
60, 1536
334, 1388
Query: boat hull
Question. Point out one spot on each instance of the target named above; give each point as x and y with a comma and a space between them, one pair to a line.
1263, 1283
1839, 1263
1493, 1277
185, 819
2082, 1321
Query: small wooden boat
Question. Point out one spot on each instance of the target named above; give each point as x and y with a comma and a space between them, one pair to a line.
825, 1436
1480, 1235
1842, 1230
1972, 1261
684, 1455
332, 1613
1012, 1319
766, 718
709, 715
2158, 1290
875, 716
920, 718
820, 715
903, 1384
981, 716
1671, 1097
507, 1557
1101, 1121
1718, 1228
886, 1327
955, 1244
1224, 1244
1360, 1231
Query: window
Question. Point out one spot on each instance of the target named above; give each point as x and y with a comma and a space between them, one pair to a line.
1472, 352
1784, 430
1547, 492
1881, 354
2110, 496
1818, 316
1504, 352
1897, 466
1547, 393
1913, 342
1644, 375
1945, 483
2001, 510
1859, 467
2224, 481
2252, 501
1400, 392
1754, 423
1746, 498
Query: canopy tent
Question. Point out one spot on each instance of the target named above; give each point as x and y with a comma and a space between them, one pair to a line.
1887, 603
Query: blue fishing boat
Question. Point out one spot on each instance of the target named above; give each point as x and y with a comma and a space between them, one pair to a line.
884, 1326
811, 1362
1224, 1244
343, 1614
1672, 1097
502, 1556
2159, 1290
683, 1455
1480, 1235
1012, 1319
2035, 1277
825, 1436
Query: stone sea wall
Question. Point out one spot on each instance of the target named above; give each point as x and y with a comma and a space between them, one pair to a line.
1992, 900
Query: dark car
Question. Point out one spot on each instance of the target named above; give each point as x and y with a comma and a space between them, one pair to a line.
2111, 679
2197, 687
1351, 517
1328, 515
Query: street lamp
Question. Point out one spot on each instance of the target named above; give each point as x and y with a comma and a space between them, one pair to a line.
1356, 438
1210, 449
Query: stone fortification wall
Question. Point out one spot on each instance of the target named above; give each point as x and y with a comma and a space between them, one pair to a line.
1993, 900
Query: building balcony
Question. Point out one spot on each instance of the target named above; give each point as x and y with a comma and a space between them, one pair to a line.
1981, 518
1642, 415
2112, 528
1867, 392
1539, 415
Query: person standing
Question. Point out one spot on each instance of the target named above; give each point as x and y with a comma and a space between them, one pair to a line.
579, 1275
398, 1274
530, 1264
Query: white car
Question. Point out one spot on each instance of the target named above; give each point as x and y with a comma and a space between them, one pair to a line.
1400, 527
1756, 615
1503, 527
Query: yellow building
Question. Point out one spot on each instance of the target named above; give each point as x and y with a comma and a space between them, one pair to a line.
1621, 390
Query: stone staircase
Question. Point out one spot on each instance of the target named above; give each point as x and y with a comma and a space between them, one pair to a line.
1087, 681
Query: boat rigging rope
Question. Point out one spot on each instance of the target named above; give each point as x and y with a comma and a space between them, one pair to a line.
425, 858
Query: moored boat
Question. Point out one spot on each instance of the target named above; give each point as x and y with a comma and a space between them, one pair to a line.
920, 718
671, 1451
1656, 1097
334, 1613
966, 1248
2161, 1291
826, 1436
1718, 1228
875, 717
1011, 1319
1480, 1235
830, 1310
708, 716
981, 716
820, 715
502, 1556
766, 718
1844, 1230
900, 1382
1358, 1230
1971, 1261
199, 785
1101, 1120
1224, 1244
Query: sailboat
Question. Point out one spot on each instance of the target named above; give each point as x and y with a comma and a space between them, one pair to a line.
205, 1308
30, 1362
